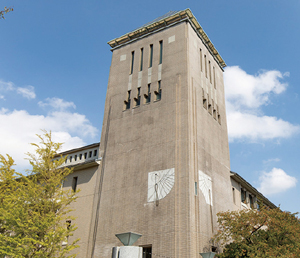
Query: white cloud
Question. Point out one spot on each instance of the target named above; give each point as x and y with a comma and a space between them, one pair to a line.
19, 128
245, 94
27, 92
276, 181
56, 103
271, 160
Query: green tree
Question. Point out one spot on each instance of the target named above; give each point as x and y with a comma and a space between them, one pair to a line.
259, 233
34, 220
5, 11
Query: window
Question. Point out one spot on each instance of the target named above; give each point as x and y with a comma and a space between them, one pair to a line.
214, 74
90, 154
158, 91
95, 152
160, 51
147, 252
141, 60
205, 65
137, 99
201, 66
75, 157
132, 62
151, 56
74, 183
80, 156
210, 107
251, 199
196, 189
219, 116
147, 95
243, 196
70, 158
204, 98
233, 194
85, 155
127, 102
209, 67
214, 112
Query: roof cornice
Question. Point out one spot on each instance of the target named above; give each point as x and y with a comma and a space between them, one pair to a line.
174, 18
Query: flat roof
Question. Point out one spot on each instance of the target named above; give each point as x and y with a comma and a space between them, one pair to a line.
167, 20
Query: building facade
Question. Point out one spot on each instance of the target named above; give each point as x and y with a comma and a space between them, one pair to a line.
163, 167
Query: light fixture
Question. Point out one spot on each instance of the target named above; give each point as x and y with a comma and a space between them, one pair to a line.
128, 238
208, 255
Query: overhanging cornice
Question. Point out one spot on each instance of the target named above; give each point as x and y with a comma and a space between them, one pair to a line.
164, 22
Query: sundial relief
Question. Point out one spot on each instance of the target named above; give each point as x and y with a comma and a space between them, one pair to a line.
205, 186
160, 184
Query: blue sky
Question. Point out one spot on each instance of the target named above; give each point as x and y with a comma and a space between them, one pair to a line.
55, 61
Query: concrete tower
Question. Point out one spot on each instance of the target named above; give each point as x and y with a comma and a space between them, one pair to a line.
165, 169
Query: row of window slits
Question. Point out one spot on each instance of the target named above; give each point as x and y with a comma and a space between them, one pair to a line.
147, 96
150, 57
208, 72
212, 108
80, 156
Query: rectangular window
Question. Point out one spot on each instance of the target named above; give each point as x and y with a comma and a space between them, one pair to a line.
80, 156
95, 153
201, 67
196, 189
205, 66
233, 195
204, 98
127, 101
147, 95
137, 99
151, 56
70, 158
209, 67
158, 91
214, 74
251, 199
147, 252
132, 62
243, 196
219, 116
210, 107
75, 157
90, 154
74, 183
85, 155
141, 60
160, 51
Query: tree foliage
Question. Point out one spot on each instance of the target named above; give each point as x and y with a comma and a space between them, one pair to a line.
34, 220
5, 11
263, 233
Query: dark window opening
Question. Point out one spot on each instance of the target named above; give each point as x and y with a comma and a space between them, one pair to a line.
75, 157
151, 56
147, 95
205, 65
80, 156
127, 102
90, 154
70, 158
141, 60
95, 152
74, 183
132, 62
243, 196
201, 66
85, 155
160, 51
137, 99
158, 91
147, 252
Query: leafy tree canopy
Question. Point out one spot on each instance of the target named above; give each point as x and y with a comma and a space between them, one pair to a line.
264, 233
34, 220
5, 11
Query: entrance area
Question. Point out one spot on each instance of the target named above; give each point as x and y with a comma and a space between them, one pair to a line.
147, 251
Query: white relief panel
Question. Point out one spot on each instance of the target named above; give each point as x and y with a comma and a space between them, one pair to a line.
205, 186
160, 183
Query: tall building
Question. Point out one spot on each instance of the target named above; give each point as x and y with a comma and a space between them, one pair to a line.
164, 158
